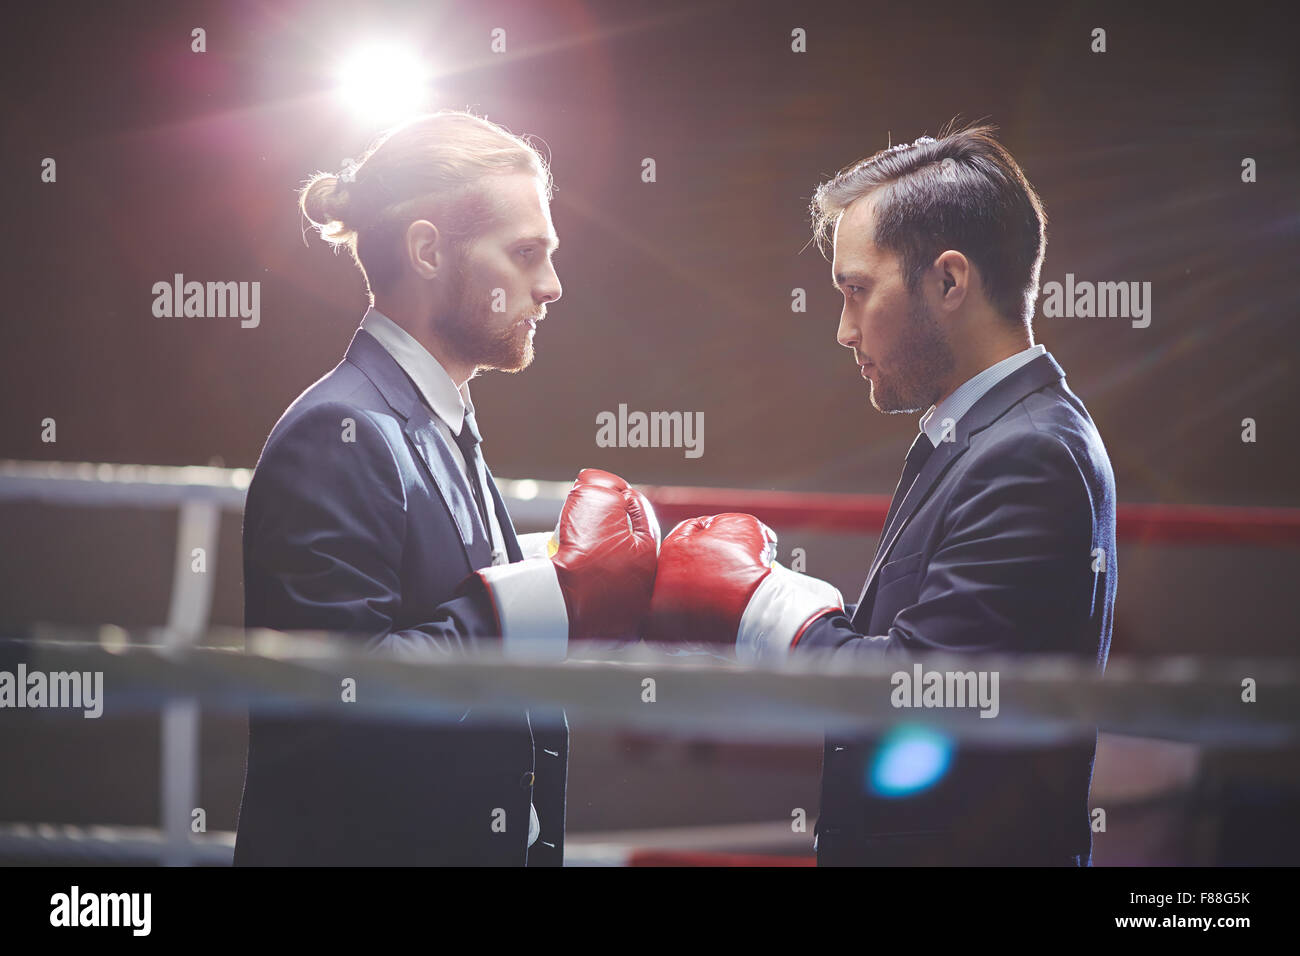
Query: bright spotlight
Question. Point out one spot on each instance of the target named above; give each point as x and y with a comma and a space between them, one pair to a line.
383, 83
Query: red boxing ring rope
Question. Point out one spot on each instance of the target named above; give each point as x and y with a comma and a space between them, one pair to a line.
865, 514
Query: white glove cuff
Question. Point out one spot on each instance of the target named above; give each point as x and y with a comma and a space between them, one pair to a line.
782, 606
530, 609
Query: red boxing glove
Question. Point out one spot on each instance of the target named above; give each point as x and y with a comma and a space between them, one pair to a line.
589, 579
607, 544
719, 583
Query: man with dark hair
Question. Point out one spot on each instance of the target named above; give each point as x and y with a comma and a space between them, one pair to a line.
1001, 533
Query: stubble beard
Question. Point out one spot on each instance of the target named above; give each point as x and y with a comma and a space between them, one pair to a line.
922, 361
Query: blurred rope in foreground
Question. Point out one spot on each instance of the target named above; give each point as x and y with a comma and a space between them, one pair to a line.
1039, 699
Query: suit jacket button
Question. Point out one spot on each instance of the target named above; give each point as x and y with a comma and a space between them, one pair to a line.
526, 780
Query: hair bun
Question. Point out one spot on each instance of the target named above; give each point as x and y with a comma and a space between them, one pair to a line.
326, 200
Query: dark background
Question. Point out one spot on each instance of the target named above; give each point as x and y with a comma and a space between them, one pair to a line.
677, 293
676, 297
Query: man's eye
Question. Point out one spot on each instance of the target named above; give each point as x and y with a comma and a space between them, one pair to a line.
526, 252
853, 289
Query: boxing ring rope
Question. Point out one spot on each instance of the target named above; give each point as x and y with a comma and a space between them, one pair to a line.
1041, 699
1174, 699
538, 502
865, 514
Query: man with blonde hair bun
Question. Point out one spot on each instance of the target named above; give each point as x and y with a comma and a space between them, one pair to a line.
372, 512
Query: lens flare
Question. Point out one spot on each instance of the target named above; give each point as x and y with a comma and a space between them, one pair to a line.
910, 759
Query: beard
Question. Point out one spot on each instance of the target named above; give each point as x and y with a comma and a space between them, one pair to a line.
922, 360
480, 337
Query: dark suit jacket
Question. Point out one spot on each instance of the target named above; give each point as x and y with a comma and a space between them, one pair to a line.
373, 537
992, 551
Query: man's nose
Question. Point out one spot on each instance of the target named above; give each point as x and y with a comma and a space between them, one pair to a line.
847, 334
550, 289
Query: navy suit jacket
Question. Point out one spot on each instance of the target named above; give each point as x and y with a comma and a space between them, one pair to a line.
374, 537
992, 550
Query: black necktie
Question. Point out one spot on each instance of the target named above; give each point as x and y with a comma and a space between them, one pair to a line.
917, 456
467, 441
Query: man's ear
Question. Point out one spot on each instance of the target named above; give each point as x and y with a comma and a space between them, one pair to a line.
953, 274
424, 250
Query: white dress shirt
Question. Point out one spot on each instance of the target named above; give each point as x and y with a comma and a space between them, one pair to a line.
968, 393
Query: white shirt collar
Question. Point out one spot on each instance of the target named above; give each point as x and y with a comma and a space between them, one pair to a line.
967, 394
447, 401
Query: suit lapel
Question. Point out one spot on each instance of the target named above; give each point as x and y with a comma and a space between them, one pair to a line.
1026, 380
435, 452
427, 441
944, 455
